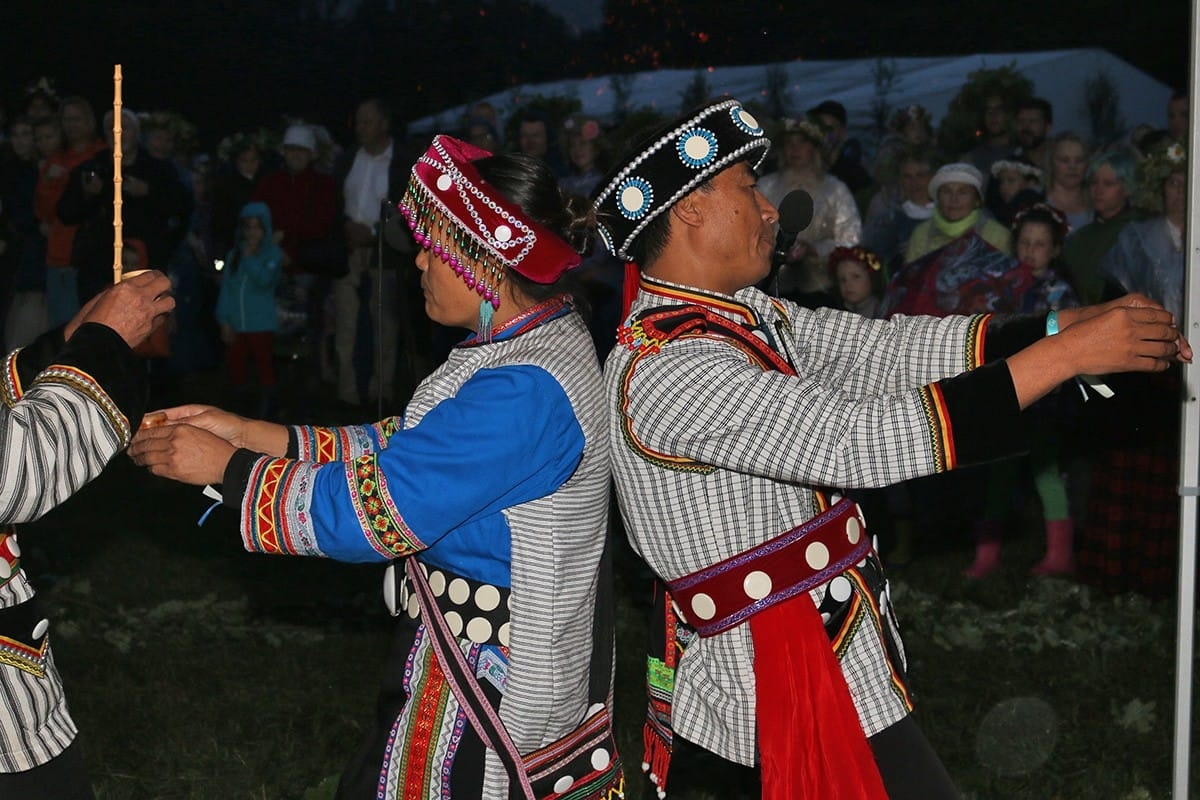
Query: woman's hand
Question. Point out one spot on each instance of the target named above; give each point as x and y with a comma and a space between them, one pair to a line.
182, 452
224, 424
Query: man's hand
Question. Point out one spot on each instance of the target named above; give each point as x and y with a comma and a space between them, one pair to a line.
1130, 302
182, 453
133, 308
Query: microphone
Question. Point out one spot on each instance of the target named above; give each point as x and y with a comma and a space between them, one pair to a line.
795, 215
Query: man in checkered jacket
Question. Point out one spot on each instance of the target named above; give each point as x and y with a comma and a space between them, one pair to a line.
68, 403
731, 409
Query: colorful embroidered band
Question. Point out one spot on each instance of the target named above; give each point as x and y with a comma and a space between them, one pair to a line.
670, 163
448, 203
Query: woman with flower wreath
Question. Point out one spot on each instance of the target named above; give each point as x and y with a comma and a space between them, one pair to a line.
1130, 539
489, 498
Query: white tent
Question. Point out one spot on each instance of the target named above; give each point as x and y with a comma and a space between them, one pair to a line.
1060, 76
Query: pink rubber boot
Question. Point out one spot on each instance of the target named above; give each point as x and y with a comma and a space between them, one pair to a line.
987, 549
1060, 552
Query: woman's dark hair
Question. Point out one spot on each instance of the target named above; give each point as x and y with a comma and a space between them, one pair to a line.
1044, 216
531, 184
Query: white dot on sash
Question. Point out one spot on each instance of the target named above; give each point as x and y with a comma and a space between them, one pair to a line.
479, 630
389, 588
454, 621
414, 609
12, 546
817, 555
593, 710
600, 759
824, 617
875, 543
853, 530
759, 334
5, 569
459, 591
757, 585
444, 183
563, 784
437, 582
40, 629
503, 634
487, 597
704, 606
840, 589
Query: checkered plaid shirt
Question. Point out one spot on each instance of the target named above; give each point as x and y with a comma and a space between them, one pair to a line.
713, 455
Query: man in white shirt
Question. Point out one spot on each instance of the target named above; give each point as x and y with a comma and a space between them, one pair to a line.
365, 187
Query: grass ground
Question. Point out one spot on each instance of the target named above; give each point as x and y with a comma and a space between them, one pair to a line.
199, 672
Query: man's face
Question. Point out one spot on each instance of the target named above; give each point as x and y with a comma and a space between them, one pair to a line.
296, 158
1031, 128
995, 117
532, 138
77, 124
370, 127
914, 181
739, 229
835, 131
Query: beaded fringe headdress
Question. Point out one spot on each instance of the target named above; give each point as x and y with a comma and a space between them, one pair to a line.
453, 212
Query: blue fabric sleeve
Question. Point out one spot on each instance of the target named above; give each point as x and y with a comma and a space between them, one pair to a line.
507, 437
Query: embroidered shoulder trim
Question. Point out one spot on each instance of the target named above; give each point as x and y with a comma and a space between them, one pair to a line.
82, 382
10, 386
23, 657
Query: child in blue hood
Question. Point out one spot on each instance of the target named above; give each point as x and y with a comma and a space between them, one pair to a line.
246, 304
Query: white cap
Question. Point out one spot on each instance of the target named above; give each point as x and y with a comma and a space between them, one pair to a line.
957, 172
300, 136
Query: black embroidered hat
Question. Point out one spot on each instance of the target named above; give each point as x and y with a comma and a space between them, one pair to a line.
669, 163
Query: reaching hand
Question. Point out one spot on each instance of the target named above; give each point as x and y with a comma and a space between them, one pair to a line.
182, 453
224, 424
133, 308
1132, 336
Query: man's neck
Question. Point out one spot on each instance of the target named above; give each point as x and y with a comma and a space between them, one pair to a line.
377, 148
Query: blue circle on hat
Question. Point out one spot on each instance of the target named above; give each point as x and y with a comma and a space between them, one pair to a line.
745, 120
697, 147
634, 197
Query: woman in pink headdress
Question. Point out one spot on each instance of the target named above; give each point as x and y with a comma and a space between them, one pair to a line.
487, 498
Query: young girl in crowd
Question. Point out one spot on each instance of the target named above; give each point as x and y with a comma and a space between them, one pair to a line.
246, 304
1039, 232
1015, 184
859, 278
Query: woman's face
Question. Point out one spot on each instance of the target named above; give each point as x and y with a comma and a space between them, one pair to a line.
248, 162
854, 281
1069, 165
915, 132
252, 232
582, 153
1009, 182
21, 138
1175, 196
1109, 194
914, 181
957, 200
799, 153
1035, 246
448, 300
47, 139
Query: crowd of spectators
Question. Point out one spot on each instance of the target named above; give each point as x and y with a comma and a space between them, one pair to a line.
292, 221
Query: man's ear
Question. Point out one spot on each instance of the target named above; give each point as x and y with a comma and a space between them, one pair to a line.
688, 211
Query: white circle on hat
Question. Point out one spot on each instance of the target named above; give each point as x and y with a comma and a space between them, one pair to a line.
704, 606
757, 585
817, 555
503, 233
444, 182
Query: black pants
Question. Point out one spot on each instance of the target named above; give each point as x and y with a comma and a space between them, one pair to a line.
909, 768
64, 777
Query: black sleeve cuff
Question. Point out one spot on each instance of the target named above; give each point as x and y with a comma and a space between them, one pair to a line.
293, 445
984, 415
1008, 334
38, 354
100, 351
237, 476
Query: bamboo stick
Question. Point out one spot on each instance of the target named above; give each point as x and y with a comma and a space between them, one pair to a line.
118, 238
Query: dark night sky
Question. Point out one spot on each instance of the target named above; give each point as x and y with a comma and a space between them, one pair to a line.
229, 65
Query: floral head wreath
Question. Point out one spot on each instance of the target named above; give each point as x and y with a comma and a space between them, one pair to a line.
807, 128
43, 85
233, 145
479, 232
855, 253
1168, 157
1056, 218
1023, 167
182, 131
